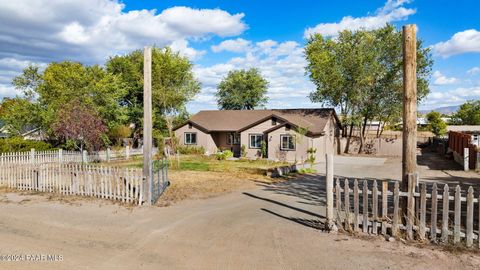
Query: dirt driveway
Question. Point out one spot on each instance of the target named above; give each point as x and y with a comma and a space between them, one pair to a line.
271, 226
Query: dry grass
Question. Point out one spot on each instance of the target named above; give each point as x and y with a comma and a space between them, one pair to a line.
200, 177
205, 184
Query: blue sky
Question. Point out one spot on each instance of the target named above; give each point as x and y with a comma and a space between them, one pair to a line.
219, 36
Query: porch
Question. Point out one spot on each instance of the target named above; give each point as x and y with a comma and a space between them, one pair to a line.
228, 140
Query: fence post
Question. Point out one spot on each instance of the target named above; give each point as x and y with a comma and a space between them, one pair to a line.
412, 183
329, 189
108, 154
32, 155
60, 155
127, 152
477, 164
84, 156
466, 159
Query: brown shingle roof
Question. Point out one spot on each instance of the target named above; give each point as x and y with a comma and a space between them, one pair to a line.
234, 120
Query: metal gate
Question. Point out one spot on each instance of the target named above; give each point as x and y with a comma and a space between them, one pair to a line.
159, 179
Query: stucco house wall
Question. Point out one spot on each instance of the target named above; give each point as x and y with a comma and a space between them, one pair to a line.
257, 129
203, 139
302, 143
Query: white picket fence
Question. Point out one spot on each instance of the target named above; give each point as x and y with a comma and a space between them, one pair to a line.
119, 184
37, 157
64, 156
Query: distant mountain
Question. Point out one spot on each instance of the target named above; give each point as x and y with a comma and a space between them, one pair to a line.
443, 110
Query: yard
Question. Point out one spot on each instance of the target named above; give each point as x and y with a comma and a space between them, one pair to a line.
199, 177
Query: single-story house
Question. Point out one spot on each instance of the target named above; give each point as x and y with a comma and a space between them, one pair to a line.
286, 134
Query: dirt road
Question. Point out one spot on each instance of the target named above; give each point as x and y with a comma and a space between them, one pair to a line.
274, 226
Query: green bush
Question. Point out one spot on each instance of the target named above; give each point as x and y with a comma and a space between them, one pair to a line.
18, 144
244, 150
224, 155
191, 150
307, 171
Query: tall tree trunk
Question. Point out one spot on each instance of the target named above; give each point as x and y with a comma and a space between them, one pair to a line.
378, 128
362, 135
347, 146
383, 128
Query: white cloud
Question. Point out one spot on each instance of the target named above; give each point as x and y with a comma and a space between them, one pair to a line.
473, 71
8, 91
89, 31
441, 79
232, 45
462, 42
282, 64
451, 97
392, 11
182, 47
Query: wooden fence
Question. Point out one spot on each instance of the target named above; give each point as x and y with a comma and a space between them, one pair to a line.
434, 213
462, 146
120, 184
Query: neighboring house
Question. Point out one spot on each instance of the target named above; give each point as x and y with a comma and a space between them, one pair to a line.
29, 133
35, 134
230, 129
3, 130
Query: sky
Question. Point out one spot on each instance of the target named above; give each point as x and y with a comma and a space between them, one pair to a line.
219, 36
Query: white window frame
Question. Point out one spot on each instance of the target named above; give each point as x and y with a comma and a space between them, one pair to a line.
288, 148
254, 140
185, 138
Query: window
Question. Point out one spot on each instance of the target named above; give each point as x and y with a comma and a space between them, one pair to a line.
287, 142
233, 138
190, 138
256, 141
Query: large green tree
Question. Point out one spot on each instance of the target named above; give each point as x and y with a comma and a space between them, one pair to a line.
467, 114
114, 93
62, 82
242, 90
19, 115
361, 74
173, 84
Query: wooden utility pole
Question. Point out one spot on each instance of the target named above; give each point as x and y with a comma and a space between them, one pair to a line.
409, 154
147, 121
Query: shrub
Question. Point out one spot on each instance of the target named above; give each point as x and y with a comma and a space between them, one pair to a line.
191, 150
311, 156
264, 149
18, 144
119, 132
244, 150
224, 155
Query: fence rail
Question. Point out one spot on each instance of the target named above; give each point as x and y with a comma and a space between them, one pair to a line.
37, 157
63, 156
434, 213
119, 184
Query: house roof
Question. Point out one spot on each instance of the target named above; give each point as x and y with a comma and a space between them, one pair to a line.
237, 120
